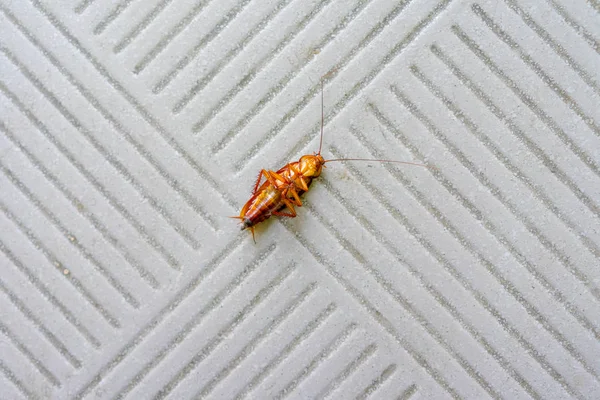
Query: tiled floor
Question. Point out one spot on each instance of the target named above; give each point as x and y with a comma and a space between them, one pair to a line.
131, 129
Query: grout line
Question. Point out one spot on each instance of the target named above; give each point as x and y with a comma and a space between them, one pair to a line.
169, 36
408, 393
249, 77
111, 319
115, 282
15, 381
118, 87
579, 30
116, 164
112, 120
351, 368
67, 314
36, 362
253, 343
196, 320
146, 275
112, 16
357, 88
141, 26
443, 261
201, 84
547, 38
158, 319
536, 150
478, 174
183, 62
82, 6
373, 312
392, 292
317, 361
59, 267
308, 330
377, 382
507, 285
497, 152
529, 102
334, 71
595, 4
257, 300
45, 332
470, 125
535, 67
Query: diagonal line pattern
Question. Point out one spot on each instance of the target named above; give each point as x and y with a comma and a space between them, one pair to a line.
544, 35
286, 313
375, 314
579, 29
513, 127
143, 112
145, 274
129, 297
405, 302
52, 299
158, 319
56, 261
141, 26
247, 79
357, 87
202, 83
45, 332
443, 301
10, 375
531, 310
167, 38
539, 71
30, 357
182, 276
580, 153
94, 142
327, 351
294, 343
354, 365
166, 79
195, 321
334, 71
377, 383
235, 321
112, 120
486, 183
111, 16
494, 149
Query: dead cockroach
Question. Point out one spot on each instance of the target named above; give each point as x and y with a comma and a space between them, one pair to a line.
282, 189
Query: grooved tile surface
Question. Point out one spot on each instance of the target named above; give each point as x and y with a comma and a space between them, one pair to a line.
131, 129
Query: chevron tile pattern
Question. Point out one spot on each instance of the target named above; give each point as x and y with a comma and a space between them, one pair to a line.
131, 129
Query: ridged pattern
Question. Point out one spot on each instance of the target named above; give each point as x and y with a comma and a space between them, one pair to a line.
130, 129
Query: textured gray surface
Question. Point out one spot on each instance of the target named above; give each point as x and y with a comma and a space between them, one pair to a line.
131, 129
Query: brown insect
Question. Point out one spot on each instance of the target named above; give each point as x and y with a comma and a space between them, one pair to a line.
282, 189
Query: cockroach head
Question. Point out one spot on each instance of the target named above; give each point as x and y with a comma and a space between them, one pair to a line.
311, 165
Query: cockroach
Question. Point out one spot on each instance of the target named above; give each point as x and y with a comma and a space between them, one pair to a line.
282, 189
